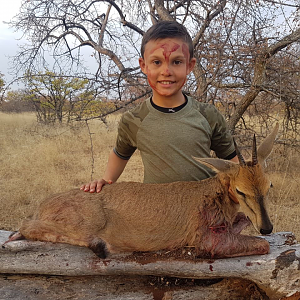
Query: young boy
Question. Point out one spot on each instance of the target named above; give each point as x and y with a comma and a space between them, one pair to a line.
169, 128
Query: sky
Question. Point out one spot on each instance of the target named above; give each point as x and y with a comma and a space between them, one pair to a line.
9, 40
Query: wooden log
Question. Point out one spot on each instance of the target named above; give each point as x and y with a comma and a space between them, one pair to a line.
34, 287
277, 273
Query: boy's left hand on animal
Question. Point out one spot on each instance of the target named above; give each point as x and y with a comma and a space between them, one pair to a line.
95, 186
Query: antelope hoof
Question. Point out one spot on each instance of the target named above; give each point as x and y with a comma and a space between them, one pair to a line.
99, 248
240, 223
15, 236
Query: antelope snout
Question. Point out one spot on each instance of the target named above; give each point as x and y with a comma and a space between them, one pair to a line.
265, 231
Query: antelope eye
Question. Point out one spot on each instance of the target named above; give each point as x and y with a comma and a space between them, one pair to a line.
240, 193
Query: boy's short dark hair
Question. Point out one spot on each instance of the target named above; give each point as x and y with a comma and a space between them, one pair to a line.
167, 29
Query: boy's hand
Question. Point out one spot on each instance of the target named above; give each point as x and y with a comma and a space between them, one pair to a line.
95, 186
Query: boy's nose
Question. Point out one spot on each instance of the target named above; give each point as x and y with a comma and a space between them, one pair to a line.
166, 70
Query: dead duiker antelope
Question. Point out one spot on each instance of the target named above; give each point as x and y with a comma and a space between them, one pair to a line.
130, 216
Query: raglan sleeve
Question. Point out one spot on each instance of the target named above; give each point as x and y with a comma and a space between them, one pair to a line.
125, 143
221, 140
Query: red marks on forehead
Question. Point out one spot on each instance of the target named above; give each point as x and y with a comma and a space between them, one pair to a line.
167, 49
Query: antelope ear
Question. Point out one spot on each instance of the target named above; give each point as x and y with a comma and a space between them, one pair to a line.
266, 146
217, 164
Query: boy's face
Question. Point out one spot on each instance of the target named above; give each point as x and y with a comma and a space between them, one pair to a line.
166, 63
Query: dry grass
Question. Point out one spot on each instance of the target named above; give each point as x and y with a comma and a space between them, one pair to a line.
39, 160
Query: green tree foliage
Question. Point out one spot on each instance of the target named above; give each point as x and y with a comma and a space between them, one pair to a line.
1, 82
58, 98
15, 102
1, 89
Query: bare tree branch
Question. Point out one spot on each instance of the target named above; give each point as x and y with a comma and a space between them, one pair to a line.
259, 75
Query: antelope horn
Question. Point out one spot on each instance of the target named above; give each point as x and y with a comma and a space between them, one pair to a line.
254, 152
239, 154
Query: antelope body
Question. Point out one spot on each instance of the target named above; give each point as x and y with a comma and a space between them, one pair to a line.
131, 216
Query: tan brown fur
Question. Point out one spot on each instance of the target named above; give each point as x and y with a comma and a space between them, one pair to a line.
131, 216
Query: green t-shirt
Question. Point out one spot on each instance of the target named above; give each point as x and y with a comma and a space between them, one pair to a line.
168, 141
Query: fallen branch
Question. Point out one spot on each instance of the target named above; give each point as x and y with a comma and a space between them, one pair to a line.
277, 273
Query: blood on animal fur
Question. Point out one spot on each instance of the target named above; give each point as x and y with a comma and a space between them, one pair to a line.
218, 229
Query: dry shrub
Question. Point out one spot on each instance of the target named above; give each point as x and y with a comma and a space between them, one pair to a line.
39, 160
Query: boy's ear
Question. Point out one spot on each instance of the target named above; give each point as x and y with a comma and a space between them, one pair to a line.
191, 65
142, 65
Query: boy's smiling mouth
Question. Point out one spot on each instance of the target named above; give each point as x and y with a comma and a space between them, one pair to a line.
164, 82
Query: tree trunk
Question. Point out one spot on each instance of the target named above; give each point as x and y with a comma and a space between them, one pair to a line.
277, 273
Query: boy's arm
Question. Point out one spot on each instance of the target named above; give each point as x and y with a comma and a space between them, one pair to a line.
114, 169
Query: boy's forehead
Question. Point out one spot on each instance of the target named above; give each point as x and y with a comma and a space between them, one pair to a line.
172, 44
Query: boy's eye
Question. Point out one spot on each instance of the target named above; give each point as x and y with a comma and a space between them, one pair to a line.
156, 62
177, 62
